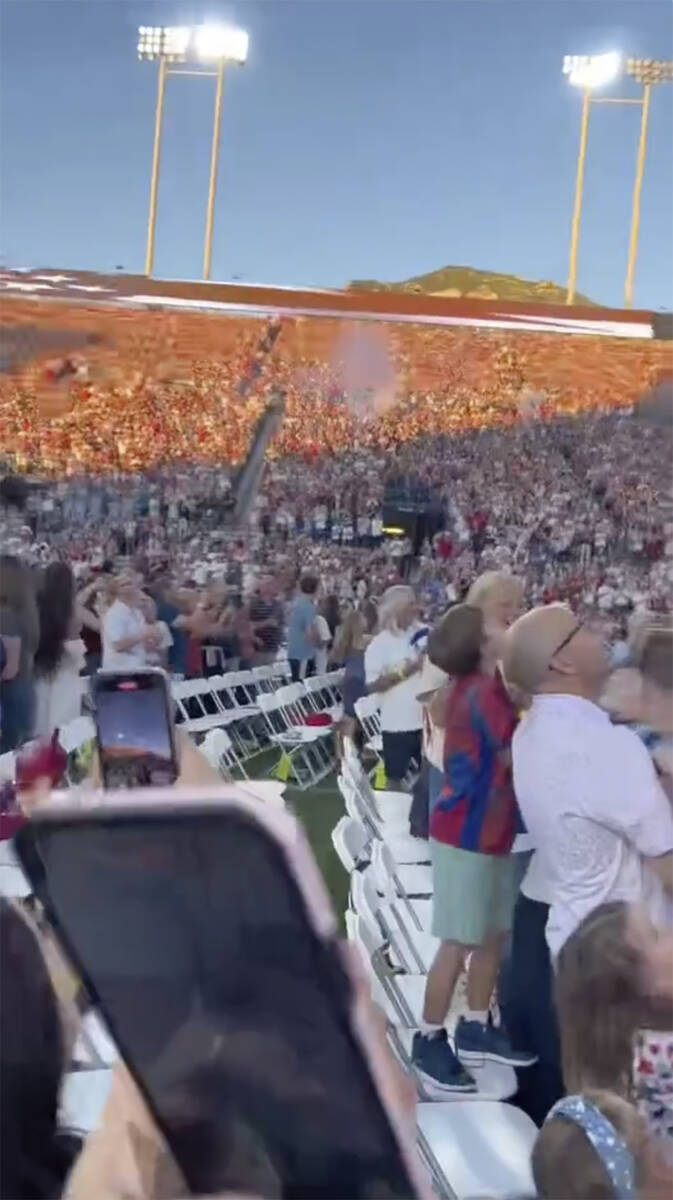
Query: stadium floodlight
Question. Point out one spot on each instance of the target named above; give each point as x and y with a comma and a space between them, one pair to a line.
200, 44
648, 70
214, 42
591, 71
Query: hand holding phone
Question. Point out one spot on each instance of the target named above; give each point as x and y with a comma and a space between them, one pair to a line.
202, 931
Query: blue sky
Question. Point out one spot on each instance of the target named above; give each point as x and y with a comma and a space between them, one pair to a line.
364, 139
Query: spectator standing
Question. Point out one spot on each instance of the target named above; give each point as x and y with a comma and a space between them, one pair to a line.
475, 876
323, 635
60, 654
157, 653
349, 649
168, 612
18, 619
301, 635
600, 822
391, 661
266, 616
126, 635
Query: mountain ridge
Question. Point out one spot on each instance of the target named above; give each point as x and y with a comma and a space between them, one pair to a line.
475, 284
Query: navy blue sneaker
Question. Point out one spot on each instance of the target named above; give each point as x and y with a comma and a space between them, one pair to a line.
435, 1062
476, 1042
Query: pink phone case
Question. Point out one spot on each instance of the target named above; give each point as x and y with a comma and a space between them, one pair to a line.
289, 835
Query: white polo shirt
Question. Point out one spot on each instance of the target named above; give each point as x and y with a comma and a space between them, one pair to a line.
594, 809
400, 710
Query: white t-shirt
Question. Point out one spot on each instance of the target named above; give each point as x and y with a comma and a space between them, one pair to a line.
119, 622
400, 710
594, 809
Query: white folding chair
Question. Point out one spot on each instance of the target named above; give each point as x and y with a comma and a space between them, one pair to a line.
403, 847
320, 696
221, 753
197, 706
478, 1147
368, 713
389, 808
242, 717
309, 749
263, 677
351, 843
391, 886
405, 992
412, 880
411, 948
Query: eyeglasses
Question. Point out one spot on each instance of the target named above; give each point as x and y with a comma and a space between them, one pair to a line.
566, 641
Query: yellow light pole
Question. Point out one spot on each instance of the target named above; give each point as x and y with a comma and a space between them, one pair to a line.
637, 189
647, 72
154, 180
579, 193
588, 71
212, 184
218, 44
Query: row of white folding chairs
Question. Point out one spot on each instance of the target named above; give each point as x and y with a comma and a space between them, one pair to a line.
218, 704
396, 957
473, 1144
386, 817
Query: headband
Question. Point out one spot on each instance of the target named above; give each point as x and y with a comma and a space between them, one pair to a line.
606, 1141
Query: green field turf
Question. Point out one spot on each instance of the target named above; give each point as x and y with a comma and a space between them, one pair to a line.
318, 809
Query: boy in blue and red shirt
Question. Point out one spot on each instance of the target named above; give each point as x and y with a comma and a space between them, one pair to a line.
475, 876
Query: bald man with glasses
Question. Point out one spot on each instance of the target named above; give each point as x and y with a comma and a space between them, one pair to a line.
599, 820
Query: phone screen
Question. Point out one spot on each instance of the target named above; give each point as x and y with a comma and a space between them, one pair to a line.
134, 724
232, 1014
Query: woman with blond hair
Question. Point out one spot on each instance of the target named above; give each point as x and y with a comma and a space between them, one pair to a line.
392, 659
498, 595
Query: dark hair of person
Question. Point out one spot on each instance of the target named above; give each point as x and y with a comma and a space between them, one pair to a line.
331, 613
34, 1157
55, 602
308, 584
17, 593
370, 614
455, 642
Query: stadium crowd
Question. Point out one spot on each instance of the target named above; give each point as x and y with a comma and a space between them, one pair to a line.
557, 501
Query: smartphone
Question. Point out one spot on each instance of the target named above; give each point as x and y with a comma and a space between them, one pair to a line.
135, 728
201, 928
